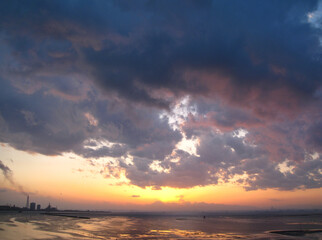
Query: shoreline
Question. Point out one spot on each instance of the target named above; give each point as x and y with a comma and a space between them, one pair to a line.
297, 233
74, 225
65, 215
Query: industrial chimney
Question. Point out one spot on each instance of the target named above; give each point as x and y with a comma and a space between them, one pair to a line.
27, 204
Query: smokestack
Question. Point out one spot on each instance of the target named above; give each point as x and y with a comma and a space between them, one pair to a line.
27, 204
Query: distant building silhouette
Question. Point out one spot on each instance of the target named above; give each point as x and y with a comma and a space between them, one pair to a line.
50, 208
27, 204
32, 206
38, 207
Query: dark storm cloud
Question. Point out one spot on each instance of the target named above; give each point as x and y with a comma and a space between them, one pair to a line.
214, 156
220, 159
314, 135
49, 125
74, 73
139, 127
263, 174
259, 48
40, 123
115, 151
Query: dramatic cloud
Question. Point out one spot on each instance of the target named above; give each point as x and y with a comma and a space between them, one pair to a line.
138, 82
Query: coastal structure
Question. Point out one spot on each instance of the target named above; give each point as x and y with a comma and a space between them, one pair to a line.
50, 208
33, 206
27, 203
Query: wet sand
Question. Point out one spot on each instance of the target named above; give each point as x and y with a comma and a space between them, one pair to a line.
38, 226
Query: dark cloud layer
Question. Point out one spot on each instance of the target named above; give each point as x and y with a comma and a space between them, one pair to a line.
94, 78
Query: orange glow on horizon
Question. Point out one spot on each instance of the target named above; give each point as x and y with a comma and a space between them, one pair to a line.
71, 178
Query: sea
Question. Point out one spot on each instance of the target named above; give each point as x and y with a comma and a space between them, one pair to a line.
101, 225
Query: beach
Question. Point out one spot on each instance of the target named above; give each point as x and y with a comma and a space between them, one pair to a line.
32, 225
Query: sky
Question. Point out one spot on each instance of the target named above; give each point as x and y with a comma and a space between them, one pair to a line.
161, 105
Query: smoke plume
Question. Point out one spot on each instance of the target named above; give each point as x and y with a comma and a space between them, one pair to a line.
7, 173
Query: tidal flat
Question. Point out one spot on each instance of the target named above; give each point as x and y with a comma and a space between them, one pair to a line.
33, 225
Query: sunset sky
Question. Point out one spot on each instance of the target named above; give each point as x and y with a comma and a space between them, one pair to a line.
161, 105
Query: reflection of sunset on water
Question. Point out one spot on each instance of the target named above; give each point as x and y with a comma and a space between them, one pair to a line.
102, 226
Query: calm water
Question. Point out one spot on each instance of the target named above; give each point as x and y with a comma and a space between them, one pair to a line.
36, 226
